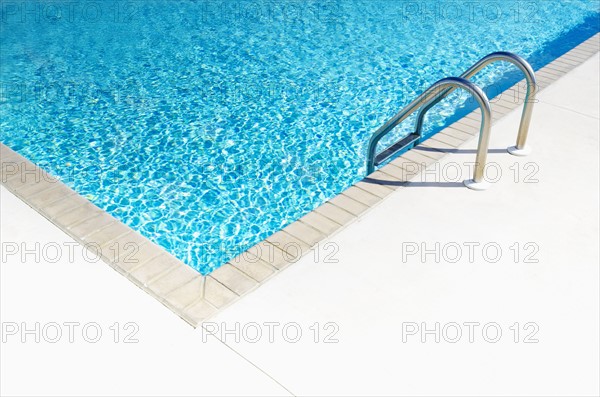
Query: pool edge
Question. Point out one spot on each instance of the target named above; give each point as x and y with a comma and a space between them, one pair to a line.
194, 297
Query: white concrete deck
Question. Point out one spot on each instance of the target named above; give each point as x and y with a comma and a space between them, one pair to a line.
369, 293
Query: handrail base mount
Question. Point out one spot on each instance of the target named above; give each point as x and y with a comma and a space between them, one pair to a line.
515, 151
479, 186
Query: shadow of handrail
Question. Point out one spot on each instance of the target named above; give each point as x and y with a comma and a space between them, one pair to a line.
382, 182
455, 151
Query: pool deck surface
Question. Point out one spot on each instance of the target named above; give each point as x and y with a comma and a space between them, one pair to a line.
367, 283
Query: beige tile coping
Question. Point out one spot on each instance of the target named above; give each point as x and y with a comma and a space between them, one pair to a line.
194, 297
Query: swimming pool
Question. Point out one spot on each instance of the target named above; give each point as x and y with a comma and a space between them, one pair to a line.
209, 125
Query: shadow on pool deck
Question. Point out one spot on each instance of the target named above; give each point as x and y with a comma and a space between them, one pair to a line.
384, 182
457, 151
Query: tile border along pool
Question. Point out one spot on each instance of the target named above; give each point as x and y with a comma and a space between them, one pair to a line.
194, 297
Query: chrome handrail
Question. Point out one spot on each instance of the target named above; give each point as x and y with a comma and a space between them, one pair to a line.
450, 83
520, 147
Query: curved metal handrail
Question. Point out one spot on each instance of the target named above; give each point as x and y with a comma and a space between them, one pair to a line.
450, 83
529, 97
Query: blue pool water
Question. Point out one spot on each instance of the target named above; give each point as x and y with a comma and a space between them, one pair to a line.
209, 125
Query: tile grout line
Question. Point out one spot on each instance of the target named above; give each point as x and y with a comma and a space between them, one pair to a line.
252, 363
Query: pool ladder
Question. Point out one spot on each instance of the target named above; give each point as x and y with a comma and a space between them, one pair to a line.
440, 90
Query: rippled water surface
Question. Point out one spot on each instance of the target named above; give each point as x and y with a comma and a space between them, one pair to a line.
209, 125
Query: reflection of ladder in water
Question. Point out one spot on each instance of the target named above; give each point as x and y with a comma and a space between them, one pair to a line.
442, 89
